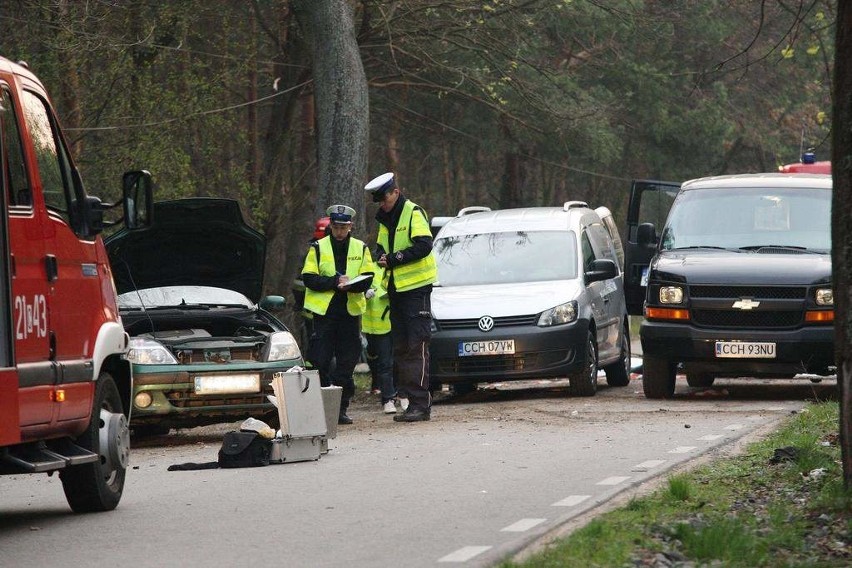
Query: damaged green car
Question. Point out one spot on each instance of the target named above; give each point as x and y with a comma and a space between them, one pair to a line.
203, 343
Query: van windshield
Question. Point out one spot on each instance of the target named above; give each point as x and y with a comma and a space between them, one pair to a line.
750, 219
500, 258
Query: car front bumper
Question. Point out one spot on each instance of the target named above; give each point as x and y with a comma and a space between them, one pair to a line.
540, 352
807, 349
176, 404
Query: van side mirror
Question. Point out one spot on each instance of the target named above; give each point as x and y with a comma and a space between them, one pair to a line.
272, 302
646, 234
601, 269
138, 199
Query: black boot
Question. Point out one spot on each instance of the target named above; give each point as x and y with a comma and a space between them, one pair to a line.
343, 419
413, 415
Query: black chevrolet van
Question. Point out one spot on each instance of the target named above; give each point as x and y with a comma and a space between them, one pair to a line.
737, 282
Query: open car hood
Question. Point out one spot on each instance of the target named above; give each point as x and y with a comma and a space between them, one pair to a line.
197, 241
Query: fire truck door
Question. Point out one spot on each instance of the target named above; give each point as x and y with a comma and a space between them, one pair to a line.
70, 263
24, 258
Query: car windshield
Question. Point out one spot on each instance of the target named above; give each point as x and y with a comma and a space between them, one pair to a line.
750, 219
181, 296
499, 258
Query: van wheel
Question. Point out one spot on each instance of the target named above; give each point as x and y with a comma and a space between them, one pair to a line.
658, 377
462, 388
98, 486
618, 373
584, 381
700, 379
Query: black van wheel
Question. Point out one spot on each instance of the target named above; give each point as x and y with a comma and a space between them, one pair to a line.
658, 377
699, 379
584, 381
98, 486
618, 373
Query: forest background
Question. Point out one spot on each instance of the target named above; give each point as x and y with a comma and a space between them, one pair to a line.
502, 103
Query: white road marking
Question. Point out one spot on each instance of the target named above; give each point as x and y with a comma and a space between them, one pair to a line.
522, 525
646, 465
682, 450
464, 554
734, 427
711, 437
615, 480
571, 500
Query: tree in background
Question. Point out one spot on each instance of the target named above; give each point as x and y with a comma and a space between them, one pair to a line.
841, 228
342, 107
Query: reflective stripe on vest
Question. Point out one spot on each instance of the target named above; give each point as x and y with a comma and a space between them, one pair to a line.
356, 264
419, 272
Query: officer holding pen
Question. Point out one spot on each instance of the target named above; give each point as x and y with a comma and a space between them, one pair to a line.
335, 296
404, 249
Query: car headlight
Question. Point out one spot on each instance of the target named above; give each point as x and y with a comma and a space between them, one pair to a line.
671, 295
433, 327
824, 297
563, 313
143, 351
283, 346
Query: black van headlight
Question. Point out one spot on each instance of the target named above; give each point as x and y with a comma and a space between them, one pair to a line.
824, 297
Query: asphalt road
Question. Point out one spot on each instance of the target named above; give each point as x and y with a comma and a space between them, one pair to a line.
493, 472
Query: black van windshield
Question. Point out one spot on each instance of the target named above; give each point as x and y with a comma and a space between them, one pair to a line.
499, 258
751, 219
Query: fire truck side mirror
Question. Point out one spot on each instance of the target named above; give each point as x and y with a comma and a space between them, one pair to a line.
138, 199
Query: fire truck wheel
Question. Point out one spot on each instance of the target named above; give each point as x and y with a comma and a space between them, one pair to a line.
97, 486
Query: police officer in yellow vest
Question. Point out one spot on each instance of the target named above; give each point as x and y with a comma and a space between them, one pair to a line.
404, 248
376, 327
332, 263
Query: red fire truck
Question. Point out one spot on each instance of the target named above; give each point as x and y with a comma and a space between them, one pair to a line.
64, 385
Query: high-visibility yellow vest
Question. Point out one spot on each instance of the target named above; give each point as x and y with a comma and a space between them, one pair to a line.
419, 272
376, 319
358, 261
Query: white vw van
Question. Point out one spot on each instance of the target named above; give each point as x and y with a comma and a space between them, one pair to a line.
529, 293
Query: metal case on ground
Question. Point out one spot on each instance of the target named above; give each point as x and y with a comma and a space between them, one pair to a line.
304, 408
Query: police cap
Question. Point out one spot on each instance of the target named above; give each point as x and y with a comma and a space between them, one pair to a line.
340, 214
380, 185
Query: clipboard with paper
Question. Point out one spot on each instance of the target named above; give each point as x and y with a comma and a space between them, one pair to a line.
359, 278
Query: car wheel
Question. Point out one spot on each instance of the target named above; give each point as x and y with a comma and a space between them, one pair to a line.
463, 388
97, 486
584, 381
700, 379
658, 377
618, 373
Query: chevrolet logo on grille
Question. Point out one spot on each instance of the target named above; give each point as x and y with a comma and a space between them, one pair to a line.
745, 304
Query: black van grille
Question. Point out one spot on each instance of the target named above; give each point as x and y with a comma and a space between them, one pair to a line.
473, 323
726, 318
765, 292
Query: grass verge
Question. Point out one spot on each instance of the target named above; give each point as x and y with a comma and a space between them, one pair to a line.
780, 503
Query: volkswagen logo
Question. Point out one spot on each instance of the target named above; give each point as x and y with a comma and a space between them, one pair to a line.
486, 323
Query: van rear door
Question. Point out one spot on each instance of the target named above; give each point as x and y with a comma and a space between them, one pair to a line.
650, 202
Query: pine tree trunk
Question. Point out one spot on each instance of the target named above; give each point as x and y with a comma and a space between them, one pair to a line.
841, 227
342, 103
